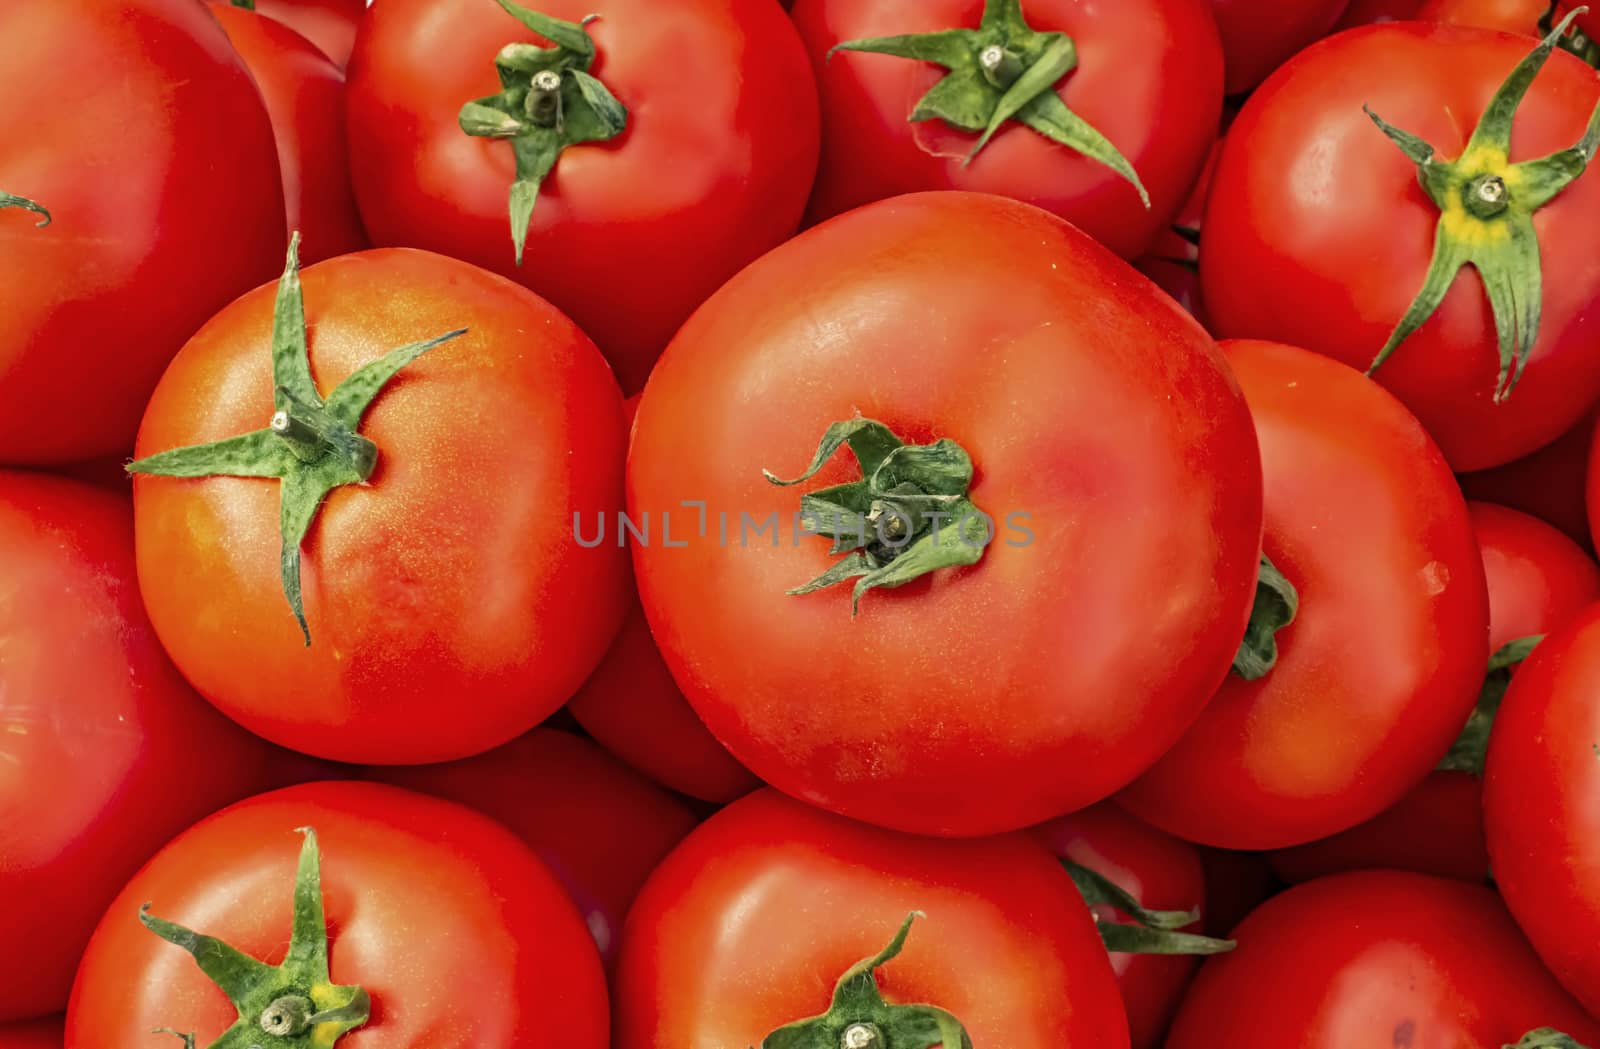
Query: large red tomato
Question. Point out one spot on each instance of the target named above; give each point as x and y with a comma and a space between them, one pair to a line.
1532, 18
330, 24
136, 127
1549, 484
105, 752
32, 1034
1375, 959
1012, 667
709, 166
1319, 234
446, 932
1146, 78
747, 926
1542, 803
1365, 521
1258, 36
448, 603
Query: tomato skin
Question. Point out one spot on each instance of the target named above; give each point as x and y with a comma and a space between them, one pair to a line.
1068, 418
1287, 258
454, 571
421, 895
1508, 16
749, 923
1149, 78
1539, 580
1160, 872
1371, 12
1377, 958
1549, 483
131, 264
600, 826
88, 743
329, 24
1258, 36
1539, 796
713, 170
304, 94
32, 1034
1325, 741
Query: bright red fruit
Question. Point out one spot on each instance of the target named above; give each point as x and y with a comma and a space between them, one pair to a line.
330, 24
1258, 36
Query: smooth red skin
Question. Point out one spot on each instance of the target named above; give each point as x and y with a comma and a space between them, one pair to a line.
454, 573
329, 24
161, 176
1377, 958
1318, 235
1161, 873
304, 94
1540, 796
1370, 12
1149, 77
946, 706
633, 708
1236, 884
1258, 36
1549, 484
1539, 580
1383, 663
628, 237
1510, 16
95, 724
600, 826
460, 934
750, 922
32, 1034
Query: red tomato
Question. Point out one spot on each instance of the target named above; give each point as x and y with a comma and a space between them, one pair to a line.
330, 24
746, 926
32, 1034
94, 723
1258, 36
1148, 78
1549, 484
1162, 874
1324, 741
1539, 580
458, 933
1528, 17
627, 237
304, 93
1173, 261
1368, 12
601, 827
1318, 233
1377, 959
1236, 884
161, 180
943, 706
1542, 779
456, 572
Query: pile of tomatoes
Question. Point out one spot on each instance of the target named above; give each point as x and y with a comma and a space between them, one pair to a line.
843, 524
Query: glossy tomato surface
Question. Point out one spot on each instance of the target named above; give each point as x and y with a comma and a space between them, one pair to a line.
628, 236
1527, 17
1365, 520
1149, 78
1113, 596
1258, 36
450, 605
1318, 234
95, 726
748, 924
330, 24
425, 901
1539, 580
137, 126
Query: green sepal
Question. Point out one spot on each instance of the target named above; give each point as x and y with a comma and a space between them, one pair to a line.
248, 5
1471, 748
1152, 932
1547, 1038
541, 124
1575, 41
293, 1003
11, 200
1276, 604
858, 1002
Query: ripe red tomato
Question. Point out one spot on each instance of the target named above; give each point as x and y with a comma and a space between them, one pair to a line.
330, 24
1162, 874
1324, 741
1528, 17
304, 93
627, 237
748, 924
1377, 959
942, 705
1148, 77
1549, 484
1540, 786
1539, 580
600, 826
457, 932
1258, 36
1318, 233
160, 177
1369, 12
94, 721
32, 1034
455, 573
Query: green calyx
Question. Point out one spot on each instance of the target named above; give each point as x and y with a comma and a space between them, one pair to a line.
1277, 603
907, 517
1486, 207
1546, 1038
1470, 749
547, 102
1148, 932
248, 5
11, 200
1574, 41
294, 1004
1003, 70
859, 1018
310, 445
